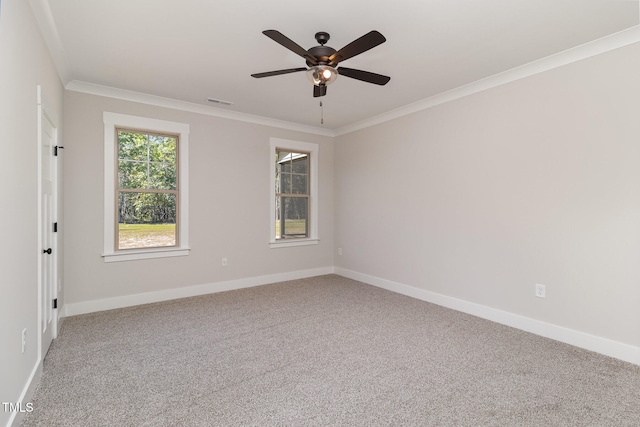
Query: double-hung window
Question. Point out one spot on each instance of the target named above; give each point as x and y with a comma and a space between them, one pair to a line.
292, 194
146, 193
294, 189
147, 190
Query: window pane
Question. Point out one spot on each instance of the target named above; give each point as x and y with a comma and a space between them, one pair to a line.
146, 220
277, 183
284, 161
285, 183
300, 164
299, 184
162, 176
132, 146
132, 174
162, 149
293, 218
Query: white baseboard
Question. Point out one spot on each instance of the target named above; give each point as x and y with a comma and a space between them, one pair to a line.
583, 340
72, 309
27, 393
611, 348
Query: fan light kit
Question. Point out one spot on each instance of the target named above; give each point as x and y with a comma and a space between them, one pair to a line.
322, 60
322, 75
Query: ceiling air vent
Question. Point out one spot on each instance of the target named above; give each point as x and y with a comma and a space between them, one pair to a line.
219, 101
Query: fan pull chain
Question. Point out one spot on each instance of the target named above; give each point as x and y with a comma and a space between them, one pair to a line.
321, 113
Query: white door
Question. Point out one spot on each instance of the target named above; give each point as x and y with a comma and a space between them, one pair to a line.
47, 241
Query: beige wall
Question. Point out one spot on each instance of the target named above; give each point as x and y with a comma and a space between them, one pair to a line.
536, 181
229, 205
24, 63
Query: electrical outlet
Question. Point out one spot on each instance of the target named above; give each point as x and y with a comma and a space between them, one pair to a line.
541, 292
225, 262
340, 251
24, 339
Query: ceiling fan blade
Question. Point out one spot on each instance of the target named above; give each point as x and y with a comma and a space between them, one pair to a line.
365, 76
285, 41
356, 47
277, 72
319, 91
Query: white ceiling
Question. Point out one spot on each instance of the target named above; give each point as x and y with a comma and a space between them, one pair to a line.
191, 50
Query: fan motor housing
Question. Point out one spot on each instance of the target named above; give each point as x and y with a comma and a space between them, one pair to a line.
321, 53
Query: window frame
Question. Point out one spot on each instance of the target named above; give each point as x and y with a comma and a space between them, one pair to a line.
312, 150
112, 123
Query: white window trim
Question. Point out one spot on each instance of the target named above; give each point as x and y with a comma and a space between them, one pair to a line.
111, 122
313, 150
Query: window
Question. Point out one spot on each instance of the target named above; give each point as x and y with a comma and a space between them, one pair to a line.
292, 194
294, 190
146, 192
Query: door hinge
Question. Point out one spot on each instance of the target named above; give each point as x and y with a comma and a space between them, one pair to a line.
55, 303
56, 148
55, 227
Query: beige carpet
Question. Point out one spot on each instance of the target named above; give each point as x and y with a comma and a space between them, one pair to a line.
316, 352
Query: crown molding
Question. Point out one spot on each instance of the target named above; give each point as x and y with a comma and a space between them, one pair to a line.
159, 101
578, 53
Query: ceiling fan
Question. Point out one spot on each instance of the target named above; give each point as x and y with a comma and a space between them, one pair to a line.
322, 60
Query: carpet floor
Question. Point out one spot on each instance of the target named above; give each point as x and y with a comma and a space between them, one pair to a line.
321, 351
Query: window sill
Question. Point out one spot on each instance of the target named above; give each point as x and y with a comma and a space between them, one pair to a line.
292, 242
132, 255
